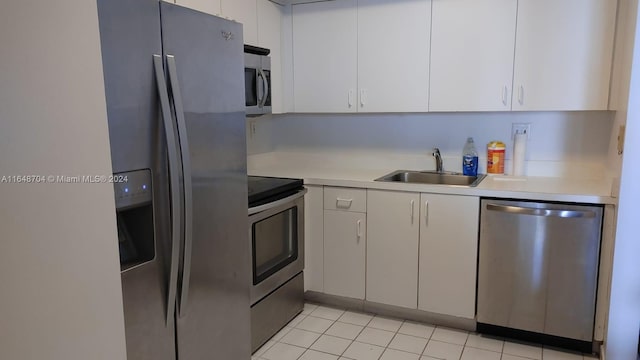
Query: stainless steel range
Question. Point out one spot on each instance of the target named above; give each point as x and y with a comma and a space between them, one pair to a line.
276, 233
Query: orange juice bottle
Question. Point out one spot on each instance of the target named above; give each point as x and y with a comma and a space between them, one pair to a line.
495, 157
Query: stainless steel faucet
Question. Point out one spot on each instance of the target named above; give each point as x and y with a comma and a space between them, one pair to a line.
436, 154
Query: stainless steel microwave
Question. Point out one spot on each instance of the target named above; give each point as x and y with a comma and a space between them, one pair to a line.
257, 80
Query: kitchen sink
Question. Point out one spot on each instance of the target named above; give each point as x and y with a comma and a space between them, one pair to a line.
432, 177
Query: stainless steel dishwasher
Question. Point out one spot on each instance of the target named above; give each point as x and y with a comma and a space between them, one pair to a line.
538, 270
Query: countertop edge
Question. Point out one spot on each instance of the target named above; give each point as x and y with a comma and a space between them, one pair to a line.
466, 191
334, 170
586, 198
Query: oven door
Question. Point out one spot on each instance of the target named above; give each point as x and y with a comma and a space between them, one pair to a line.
276, 233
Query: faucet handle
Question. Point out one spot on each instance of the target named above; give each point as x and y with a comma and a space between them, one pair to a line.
436, 151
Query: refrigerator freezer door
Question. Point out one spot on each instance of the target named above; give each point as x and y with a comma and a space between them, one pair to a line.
130, 36
208, 51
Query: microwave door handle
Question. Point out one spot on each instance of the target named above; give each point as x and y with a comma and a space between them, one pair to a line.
186, 178
265, 85
165, 109
275, 204
260, 87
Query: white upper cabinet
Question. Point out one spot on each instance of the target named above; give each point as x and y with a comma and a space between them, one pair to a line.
325, 56
392, 247
448, 254
361, 56
245, 12
472, 46
270, 37
563, 54
393, 55
452, 55
208, 6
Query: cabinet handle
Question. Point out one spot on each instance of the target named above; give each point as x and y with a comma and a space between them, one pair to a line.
521, 95
359, 229
343, 203
363, 94
350, 98
426, 213
412, 207
504, 95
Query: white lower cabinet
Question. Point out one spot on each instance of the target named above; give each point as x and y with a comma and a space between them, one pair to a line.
313, 238
392, 247
405, 249
345, 253
448, 254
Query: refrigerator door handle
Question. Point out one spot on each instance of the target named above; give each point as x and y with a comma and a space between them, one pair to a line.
186, 173
172, 151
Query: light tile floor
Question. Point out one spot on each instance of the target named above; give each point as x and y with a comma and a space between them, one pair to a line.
325, 333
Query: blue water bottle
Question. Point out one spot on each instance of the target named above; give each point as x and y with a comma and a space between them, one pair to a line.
470, 158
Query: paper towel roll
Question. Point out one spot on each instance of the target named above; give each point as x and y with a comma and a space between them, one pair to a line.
519, 151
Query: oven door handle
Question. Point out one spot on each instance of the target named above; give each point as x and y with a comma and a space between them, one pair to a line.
275, 204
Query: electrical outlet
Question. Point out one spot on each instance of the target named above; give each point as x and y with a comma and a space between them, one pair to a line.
520, 128
621, 133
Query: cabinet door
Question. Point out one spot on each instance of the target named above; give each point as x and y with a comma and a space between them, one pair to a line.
563, 53
472, 44
325, 56
392, 247
208, 6
270, 37
245, 12
448, 254
393, 55
313, 238
344, 253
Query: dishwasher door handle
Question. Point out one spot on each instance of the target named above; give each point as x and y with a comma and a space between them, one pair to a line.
541, 212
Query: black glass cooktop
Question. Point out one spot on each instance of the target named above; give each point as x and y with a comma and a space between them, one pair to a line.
263, 190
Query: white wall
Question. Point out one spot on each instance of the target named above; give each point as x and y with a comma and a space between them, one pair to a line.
568, 137
624, 308
620, 79
59, 269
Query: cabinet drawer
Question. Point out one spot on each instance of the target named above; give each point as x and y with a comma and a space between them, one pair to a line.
346, 199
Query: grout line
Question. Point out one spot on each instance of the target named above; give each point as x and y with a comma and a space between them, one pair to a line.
396, 333
325, 333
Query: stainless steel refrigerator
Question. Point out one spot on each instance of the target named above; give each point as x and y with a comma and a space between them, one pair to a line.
175, 104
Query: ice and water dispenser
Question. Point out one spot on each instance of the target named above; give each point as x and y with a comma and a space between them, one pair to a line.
134, 211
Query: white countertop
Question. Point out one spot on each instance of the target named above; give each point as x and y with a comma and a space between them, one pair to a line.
334, 170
